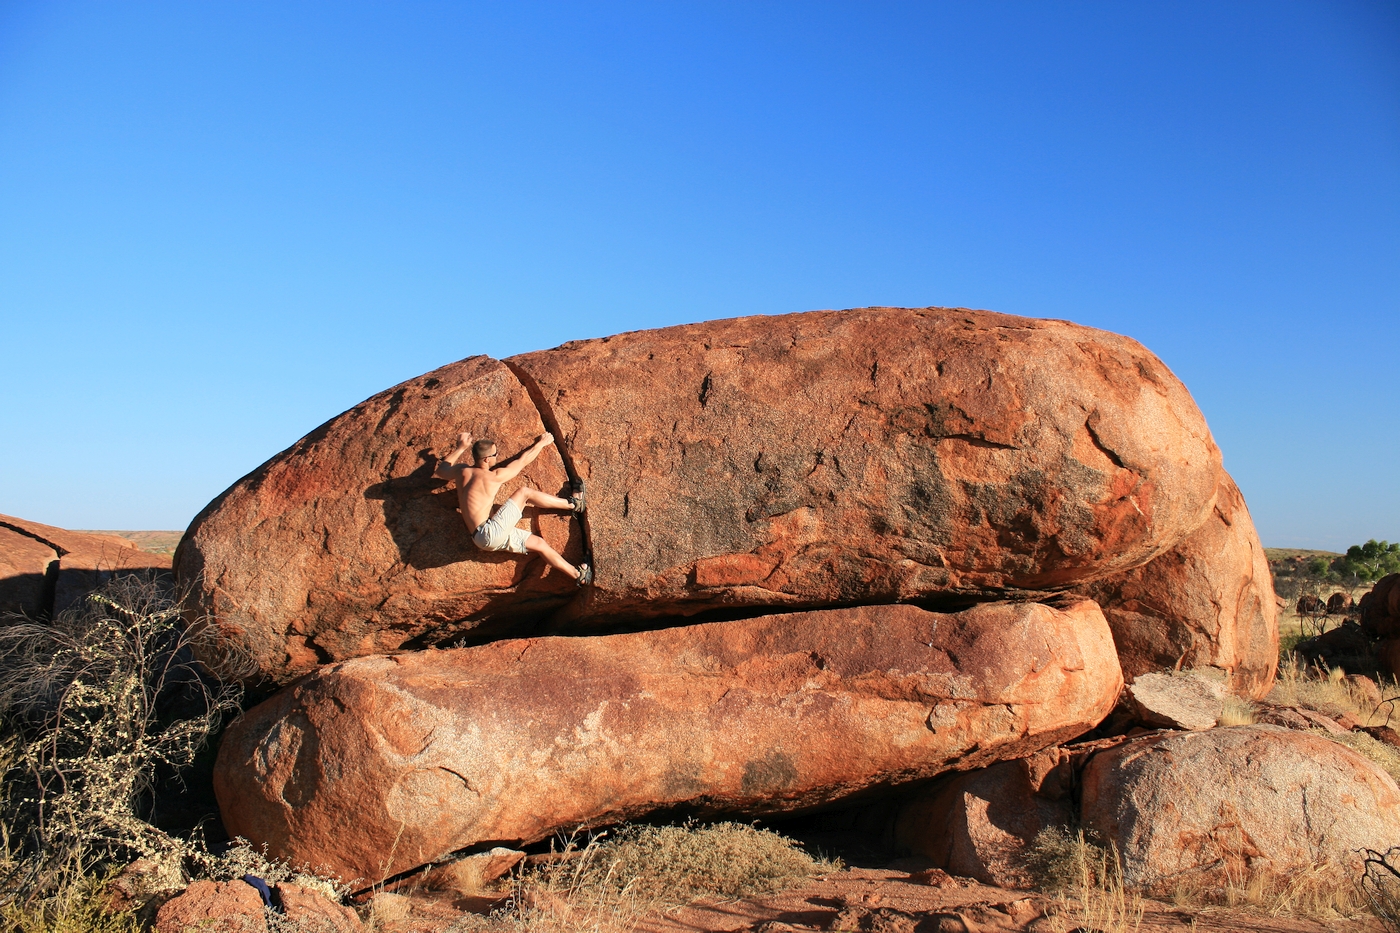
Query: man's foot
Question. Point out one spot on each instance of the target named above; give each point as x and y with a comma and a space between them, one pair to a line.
578, 501
585, 574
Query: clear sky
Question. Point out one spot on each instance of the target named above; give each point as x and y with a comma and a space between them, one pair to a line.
223, 223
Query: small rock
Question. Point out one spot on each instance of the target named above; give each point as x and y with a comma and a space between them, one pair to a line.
933, 877
1178, 701
213, 907
472, 874
1325, 723
1286, 716
1381, 734
1365, 690
310, 911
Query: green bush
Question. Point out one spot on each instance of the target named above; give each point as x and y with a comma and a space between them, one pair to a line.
1366, 563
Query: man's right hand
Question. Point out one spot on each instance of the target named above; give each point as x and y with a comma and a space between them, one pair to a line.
545, 439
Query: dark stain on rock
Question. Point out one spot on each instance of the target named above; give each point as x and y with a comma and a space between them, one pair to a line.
774, 772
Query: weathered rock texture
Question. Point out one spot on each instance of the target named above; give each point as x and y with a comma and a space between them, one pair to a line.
344, 545
431, 752
860, 456
1237, 800
1208, 602
44, 569
1380, 608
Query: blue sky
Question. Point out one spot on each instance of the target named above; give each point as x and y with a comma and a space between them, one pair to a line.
223, 223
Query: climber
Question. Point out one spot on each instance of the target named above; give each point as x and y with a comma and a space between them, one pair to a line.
476, 491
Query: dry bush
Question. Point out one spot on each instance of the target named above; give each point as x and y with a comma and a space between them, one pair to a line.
1380, 883
614, 880
81, 908
91, 705
1088, 878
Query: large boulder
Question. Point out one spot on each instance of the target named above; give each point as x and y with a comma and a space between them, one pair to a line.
371, 767
865, 456
45, 569
1233, 802
1206, 603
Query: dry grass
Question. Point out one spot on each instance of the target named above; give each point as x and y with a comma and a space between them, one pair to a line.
81, 908
615, 880
1237, 712
1320, 892
1088, 879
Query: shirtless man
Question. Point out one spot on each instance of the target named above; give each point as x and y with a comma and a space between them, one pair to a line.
476, 492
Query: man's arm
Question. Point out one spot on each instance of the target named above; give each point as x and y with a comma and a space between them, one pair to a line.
444, 470
507, 473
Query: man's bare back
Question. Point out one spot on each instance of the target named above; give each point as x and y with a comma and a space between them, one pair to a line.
477, 486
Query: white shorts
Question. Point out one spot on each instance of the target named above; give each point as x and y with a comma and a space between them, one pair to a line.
498, 533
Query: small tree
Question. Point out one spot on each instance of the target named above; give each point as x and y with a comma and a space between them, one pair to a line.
1366, 563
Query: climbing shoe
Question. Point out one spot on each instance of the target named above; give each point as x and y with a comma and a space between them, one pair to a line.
577, 501
585, 574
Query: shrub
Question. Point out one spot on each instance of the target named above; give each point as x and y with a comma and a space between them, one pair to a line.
91, 705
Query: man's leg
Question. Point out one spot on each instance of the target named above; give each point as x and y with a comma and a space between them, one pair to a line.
540, 546
526, 496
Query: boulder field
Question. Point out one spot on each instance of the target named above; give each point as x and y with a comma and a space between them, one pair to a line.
779, 463
373, 766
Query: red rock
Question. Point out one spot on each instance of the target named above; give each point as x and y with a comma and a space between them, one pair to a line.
1389, 652
31, 583
427, 753
1207, 603
215, 907
1232, 801
981, 824
1338, 603
1186, 700
1380, 608
309, 911
864, 456
343, 545
870, 455
24, 563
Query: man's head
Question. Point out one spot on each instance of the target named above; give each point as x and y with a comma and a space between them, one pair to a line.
483, 449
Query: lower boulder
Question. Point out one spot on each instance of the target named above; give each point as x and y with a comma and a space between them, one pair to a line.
371, 767
1206, 603
1233, 802
981, 824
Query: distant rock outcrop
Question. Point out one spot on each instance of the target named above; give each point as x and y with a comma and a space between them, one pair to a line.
418, 755
866, 456
44, 569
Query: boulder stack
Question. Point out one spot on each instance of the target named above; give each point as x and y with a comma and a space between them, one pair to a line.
834, 552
